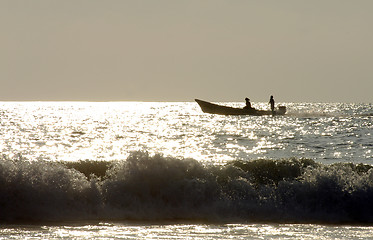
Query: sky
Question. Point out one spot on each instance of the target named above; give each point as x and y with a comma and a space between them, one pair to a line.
179, 50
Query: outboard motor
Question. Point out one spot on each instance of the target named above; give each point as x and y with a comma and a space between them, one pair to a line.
281, 110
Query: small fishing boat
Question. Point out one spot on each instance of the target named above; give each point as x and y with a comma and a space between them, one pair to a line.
212, 108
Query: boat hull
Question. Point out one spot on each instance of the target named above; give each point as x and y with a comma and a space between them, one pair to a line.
212, 108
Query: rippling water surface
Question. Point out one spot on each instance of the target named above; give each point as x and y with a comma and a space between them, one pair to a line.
189, 231
110, 131
128, 166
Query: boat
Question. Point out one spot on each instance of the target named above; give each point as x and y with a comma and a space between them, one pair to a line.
213, 108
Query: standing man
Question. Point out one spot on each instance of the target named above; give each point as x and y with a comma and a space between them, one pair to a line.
272, 102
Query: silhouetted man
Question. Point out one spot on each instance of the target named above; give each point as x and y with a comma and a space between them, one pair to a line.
272, 102
248, 104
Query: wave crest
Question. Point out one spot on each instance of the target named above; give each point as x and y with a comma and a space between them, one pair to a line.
157, 188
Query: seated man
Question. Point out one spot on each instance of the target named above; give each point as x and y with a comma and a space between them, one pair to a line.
248, 104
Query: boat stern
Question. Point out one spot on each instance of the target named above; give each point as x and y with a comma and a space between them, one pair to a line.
281, 110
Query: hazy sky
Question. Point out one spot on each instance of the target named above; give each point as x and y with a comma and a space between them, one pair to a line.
178, 50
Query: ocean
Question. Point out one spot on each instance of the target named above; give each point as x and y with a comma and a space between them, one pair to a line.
166, 170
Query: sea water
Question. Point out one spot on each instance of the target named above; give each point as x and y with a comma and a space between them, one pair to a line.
130, 170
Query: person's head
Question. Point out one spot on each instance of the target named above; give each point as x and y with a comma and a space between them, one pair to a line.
246, 99
271, 96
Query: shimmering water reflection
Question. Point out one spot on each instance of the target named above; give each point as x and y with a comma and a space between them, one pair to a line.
110, 131
187, 231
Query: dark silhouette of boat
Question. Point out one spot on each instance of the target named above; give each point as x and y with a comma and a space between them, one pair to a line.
212, 108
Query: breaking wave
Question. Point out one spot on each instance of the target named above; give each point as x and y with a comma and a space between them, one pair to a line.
157, 188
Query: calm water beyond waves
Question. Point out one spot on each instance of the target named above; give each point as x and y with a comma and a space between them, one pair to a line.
70, 131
